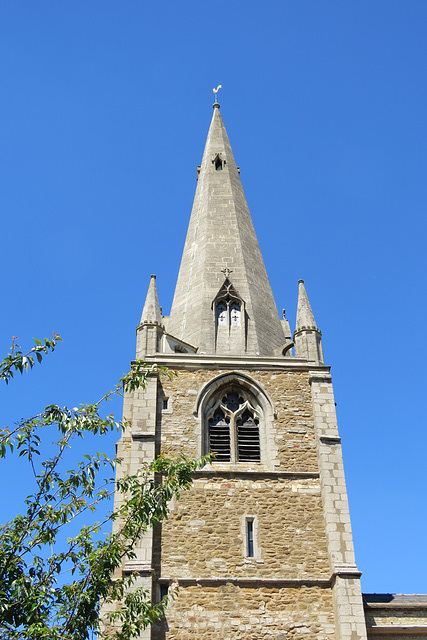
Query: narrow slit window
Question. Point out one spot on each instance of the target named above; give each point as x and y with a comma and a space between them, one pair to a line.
250, 538
165, 403
164, 589
218, 164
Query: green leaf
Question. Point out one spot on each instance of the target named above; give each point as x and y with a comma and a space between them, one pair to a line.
52, 590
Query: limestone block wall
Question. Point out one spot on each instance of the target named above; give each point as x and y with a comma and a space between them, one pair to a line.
302, 578
293, 444
284, 591
234, 612
205, 534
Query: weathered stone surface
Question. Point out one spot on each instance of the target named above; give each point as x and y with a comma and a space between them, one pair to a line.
221, 236
293, 447
204, 538
242, 613
297, 577
396, 617
291, 541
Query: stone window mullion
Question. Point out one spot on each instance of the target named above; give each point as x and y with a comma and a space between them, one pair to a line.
233, 438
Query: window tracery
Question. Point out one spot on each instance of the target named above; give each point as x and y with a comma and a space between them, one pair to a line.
228, 306
233, 428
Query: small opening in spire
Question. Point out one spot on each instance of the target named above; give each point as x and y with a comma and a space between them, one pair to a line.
218, 164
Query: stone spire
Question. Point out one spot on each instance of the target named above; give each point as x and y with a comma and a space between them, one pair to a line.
222, 265
151, 311
150, 329
305, 317
307, 337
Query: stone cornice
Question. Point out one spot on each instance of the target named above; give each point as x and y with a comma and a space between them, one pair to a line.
248, 581
346, 571
320, 375
254, 473
251, 362
297, 332
149, 323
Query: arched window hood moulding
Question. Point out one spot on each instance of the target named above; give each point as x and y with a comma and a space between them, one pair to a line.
234, 378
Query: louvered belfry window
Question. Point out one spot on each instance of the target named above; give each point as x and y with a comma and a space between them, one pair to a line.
248, 448
234, 429
219, 437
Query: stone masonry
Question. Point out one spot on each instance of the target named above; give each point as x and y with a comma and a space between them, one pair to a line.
260, 547
303, 547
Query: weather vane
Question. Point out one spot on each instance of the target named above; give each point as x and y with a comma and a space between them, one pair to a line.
216, 92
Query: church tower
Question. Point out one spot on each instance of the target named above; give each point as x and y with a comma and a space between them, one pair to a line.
261, 545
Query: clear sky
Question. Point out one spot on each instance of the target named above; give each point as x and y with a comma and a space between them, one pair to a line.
104, 111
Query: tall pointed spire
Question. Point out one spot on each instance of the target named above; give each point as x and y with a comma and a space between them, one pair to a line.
307, 337
222, 250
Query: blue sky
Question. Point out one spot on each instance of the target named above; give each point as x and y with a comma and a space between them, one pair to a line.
104, 112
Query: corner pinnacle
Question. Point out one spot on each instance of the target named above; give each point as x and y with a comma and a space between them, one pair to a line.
305, 317
151, 312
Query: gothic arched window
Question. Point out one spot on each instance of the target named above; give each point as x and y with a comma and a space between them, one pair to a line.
233, 428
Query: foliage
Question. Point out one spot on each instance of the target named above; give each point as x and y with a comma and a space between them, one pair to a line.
51, 589
17, 361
